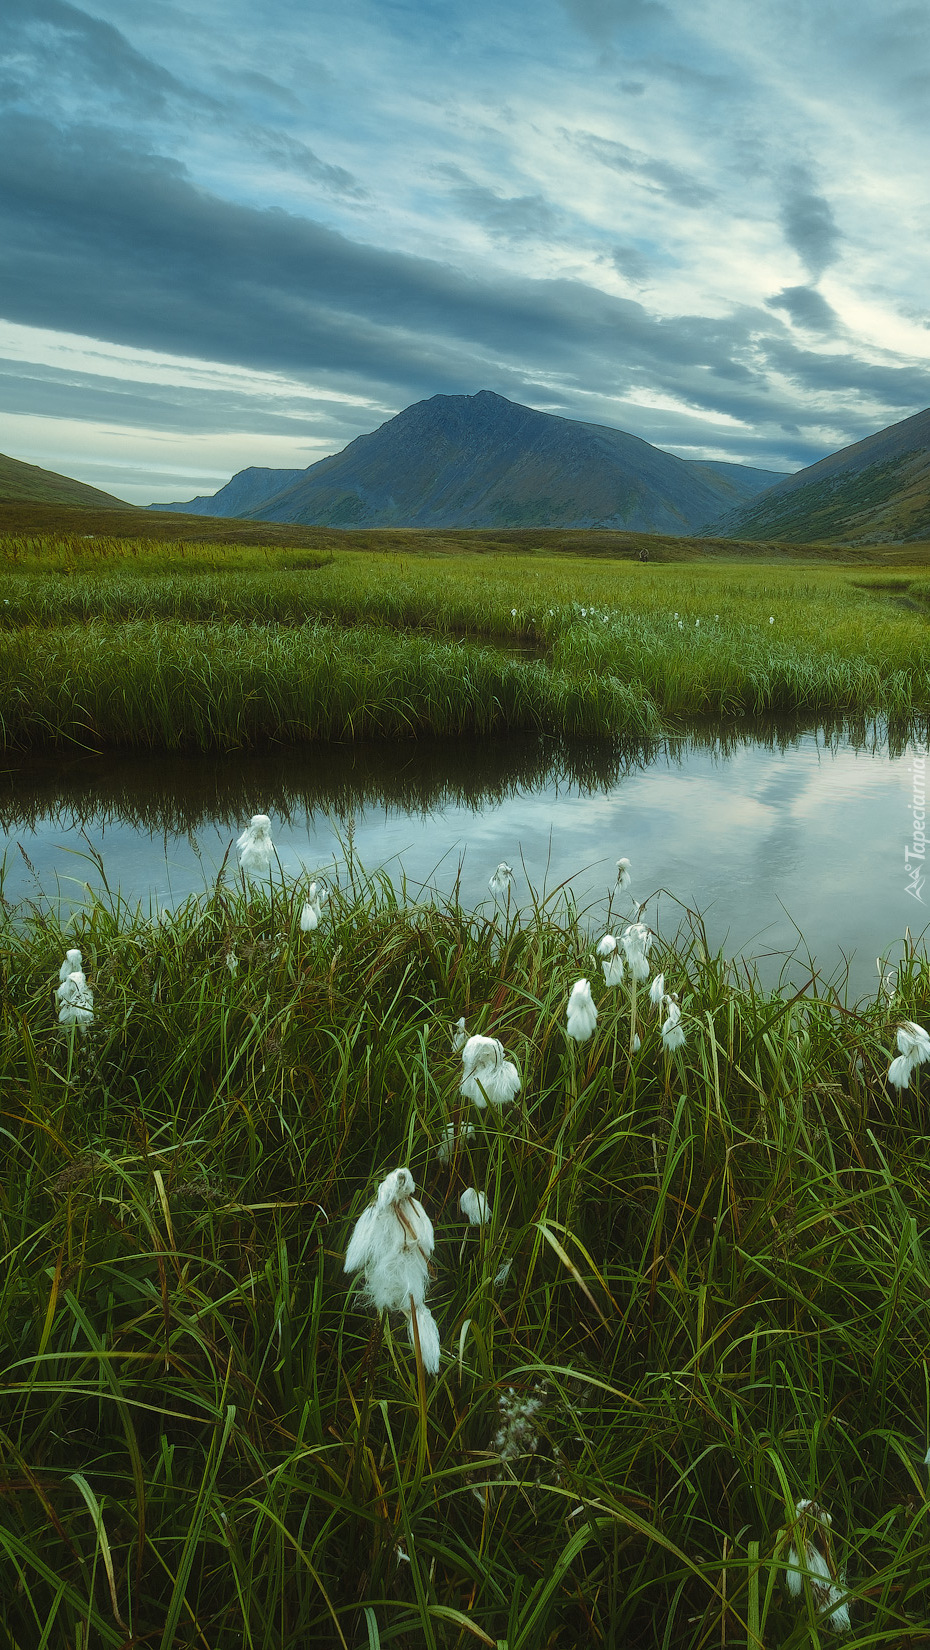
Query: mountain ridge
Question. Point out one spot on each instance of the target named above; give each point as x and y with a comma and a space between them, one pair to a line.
483, 461
874, 491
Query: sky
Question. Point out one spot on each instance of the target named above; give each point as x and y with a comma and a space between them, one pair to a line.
234, 234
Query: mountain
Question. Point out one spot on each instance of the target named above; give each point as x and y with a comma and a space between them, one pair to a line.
482, 461
242, 496
27, 481
876, 491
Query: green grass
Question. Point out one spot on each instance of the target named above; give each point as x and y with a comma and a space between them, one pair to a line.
175, 648
718, 1291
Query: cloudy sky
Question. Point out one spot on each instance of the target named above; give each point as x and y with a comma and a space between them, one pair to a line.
239, 234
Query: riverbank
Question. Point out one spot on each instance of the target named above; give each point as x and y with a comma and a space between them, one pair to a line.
700, 1296
165, 649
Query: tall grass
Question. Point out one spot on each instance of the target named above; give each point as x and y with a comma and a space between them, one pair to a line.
717, 1293
363, 647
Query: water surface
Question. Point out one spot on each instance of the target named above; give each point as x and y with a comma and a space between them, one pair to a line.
770, 835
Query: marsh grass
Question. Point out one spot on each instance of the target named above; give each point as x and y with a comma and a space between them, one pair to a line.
718, 1290
161, 656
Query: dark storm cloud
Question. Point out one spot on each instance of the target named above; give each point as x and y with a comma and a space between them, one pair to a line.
657, 175
807, 308
117, 243
809, 226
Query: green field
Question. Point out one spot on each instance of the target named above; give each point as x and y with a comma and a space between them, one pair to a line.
716, 1302
195, 645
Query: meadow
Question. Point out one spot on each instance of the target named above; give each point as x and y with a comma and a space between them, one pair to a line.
700, 1297
186, 646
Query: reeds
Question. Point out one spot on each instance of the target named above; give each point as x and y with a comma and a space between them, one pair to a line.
716, 1304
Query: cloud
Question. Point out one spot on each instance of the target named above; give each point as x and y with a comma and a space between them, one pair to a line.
58, 46
809, 226
603, 19
631, 263
504, 217
807, 308
294, 156
108, 240
658, 176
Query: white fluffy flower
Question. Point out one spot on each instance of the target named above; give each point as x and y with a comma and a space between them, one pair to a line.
232, 962
899, 1072
611, 960
914, 1044
636, 942
486, 1072
502, 878
914, 1041
75, 1001
312, 913
73, 964
673, 1035
392, 1243
475, 1205
581, 1012
459, 1035
256, 849
452, 1138
657, 990
624, 878
636, 1044
814, 1566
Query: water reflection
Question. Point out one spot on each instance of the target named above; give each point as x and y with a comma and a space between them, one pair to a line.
177, 795
768, 831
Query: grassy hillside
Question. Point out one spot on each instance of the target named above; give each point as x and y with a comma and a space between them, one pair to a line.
21, 482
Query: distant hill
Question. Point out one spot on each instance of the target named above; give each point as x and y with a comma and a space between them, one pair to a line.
875, 492
242, 496
482, 461
27, 481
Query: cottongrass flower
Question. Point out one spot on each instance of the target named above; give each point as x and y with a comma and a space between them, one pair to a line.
392, 1242
232, 962
624, 879
487, 1074
636, 941
502, 878
611, 960
73, 964
517, 1436
914, 1046
657, 990
75, 1001
312, 914
826, 1586
256, 849
673, 1033
451, 1138
581, 1012
459, 1035
476, 1206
